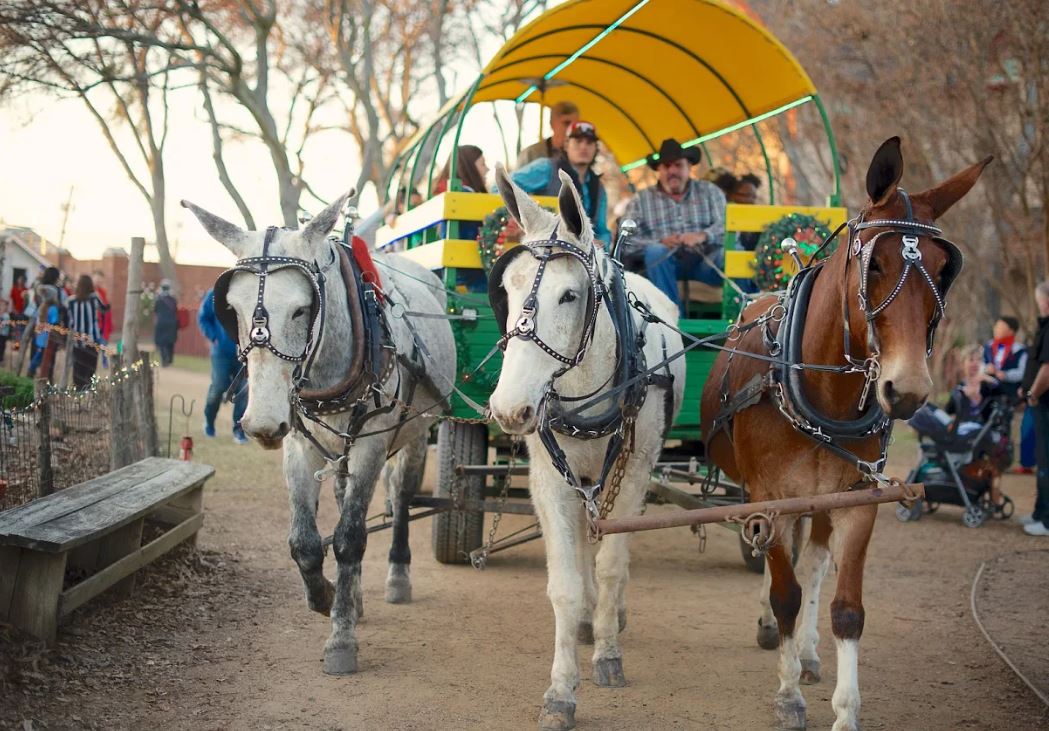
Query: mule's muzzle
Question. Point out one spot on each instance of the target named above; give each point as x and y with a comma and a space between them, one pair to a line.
519, 421
268, 437
900, 403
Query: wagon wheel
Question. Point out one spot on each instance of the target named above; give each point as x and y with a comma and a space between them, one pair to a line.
457, 532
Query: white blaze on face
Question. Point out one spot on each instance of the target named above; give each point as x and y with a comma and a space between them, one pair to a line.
560, 319
287, 298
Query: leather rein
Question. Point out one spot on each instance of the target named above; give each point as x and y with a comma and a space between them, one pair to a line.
616, 420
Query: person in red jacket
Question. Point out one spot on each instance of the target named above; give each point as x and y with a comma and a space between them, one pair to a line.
18, 296
106, 323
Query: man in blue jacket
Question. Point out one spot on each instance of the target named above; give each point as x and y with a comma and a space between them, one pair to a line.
224, 368
540, 177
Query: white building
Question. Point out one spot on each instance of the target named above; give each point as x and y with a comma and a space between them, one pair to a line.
20, 257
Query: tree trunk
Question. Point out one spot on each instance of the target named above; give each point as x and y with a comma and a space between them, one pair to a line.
131, 300
156, 203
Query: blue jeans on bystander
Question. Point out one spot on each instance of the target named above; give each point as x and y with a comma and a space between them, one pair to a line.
664, 268
224, 369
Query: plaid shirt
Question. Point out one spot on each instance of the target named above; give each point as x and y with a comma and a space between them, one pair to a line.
657, 215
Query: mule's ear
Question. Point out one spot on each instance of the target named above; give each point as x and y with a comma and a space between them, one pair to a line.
885, 172
952, 190
320, 226
570, 206
231, 236
520, 205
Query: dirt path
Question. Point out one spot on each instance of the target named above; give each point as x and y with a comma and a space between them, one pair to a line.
223, 638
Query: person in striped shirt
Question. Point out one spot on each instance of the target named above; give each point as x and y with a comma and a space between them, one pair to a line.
85, 317
680, 223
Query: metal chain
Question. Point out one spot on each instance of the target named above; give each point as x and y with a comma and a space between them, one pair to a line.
481, 560
619, 470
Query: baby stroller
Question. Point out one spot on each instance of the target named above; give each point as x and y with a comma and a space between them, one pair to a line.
958, 466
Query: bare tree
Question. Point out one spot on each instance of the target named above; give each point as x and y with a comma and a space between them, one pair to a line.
56, 46
958, 81
244, 52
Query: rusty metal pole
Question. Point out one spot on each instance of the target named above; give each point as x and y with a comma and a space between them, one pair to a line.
890, 493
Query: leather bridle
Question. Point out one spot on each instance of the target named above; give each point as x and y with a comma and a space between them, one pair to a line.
910, 232
525, 327
259, 333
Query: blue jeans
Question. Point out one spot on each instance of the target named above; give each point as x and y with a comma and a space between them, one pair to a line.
1041, 431
1027, 440
664, 268
224, 369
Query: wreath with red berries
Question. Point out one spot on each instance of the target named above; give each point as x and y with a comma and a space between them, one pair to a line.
497, 230
773, 267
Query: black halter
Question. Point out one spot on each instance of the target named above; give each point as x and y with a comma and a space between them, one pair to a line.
790, 393
910, 231
545, 250
630, 362
259, 334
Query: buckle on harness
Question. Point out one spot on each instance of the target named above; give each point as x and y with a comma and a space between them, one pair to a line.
526, 322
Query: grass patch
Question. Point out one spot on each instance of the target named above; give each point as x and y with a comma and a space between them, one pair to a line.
193, 364
23, 395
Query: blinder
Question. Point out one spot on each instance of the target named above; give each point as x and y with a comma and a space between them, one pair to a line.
259, 333
910, 231
496, 291
545, 250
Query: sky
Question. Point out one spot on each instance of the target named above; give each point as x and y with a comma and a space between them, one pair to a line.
52, 148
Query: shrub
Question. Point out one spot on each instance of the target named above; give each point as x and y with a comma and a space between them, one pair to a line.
23, 395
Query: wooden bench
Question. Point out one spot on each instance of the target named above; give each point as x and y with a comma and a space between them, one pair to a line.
94, 527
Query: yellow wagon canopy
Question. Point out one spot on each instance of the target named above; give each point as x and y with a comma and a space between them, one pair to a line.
645, 70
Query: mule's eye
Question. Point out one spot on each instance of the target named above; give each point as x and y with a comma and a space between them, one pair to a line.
299, 313
874, 267
568, 296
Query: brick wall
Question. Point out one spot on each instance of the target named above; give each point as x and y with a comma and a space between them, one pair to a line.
194, 282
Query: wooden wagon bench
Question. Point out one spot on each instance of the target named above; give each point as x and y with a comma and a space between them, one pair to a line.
95, 527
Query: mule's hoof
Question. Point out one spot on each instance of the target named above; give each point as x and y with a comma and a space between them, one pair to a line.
340, 660
768, 636
398, 590
843, 724
622, 620
608, 672
585, 633
790, 715
322, 604
557, 716
810, 672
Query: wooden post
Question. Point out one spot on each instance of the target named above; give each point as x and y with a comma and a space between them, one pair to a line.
131, 301
25, 345
119, 452
67, 368
147, 410
43, 449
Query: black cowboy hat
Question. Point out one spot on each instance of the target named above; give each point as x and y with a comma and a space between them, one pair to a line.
672, 151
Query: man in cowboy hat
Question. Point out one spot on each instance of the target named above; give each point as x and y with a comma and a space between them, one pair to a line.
540, 177
680, 222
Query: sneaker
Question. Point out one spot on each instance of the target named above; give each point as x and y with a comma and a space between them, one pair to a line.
1026, 519
1036, 529
209, 430
240, 437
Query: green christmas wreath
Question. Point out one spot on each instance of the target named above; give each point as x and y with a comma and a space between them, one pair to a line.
773, 267
497, 229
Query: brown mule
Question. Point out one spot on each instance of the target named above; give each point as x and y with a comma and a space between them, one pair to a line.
874, 302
